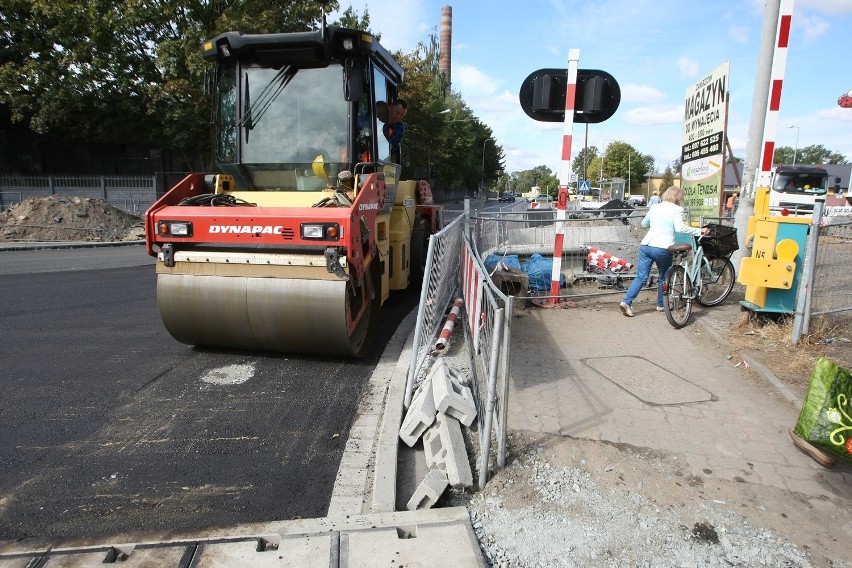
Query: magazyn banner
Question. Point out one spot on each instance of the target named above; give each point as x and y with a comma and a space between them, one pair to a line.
702, 155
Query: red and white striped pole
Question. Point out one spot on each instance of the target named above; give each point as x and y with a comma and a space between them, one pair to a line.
779, 66
564, 173
447, 331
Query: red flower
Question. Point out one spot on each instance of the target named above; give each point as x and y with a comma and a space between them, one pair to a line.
849, 445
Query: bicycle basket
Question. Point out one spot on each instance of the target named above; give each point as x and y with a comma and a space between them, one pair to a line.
720, 241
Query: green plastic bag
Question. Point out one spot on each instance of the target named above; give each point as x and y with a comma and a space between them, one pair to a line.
826, 417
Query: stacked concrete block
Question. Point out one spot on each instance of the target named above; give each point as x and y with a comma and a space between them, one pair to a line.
429, 490
443, 402
420, 415
444, 447
451, 396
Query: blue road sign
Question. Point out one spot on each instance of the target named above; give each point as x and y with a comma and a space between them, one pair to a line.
584, 186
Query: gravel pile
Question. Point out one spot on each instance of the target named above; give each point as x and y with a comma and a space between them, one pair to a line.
537, 513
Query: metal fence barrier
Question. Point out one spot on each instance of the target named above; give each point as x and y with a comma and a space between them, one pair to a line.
133, 194
488, 326
826, 279
440, 284
598, 256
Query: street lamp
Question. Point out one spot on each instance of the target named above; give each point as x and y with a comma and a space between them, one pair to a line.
796, 148
603, 154
482, 177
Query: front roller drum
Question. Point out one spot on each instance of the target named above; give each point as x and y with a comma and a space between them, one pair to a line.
268, 314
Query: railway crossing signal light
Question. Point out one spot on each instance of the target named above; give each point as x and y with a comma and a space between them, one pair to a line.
542, 95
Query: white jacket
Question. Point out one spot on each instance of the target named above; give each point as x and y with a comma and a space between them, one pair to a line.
665, 219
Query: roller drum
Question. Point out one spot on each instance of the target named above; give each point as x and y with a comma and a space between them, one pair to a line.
268, 314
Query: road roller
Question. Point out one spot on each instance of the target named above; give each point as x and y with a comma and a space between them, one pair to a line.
304, 228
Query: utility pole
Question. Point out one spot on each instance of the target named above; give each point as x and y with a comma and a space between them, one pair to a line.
759, 104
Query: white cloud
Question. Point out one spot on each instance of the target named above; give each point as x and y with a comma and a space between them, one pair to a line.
641, 94
472, 81
739, 33
659, 114
688, 68
835, 114
500, 103
812, 27
833, 7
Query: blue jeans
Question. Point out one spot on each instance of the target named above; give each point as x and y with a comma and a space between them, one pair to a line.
648, 256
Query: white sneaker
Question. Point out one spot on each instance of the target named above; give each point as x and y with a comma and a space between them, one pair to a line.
626, 309
661, 309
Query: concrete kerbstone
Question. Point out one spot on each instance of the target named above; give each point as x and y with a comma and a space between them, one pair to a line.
451, 396
444, 447
420, 415
429, 490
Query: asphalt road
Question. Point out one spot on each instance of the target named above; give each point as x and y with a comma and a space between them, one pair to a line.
109, 425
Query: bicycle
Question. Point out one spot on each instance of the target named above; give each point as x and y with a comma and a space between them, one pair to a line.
708, 278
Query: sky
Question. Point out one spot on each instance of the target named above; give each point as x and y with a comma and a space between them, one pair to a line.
655, 50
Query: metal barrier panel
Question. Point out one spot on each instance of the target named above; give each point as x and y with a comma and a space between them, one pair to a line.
440, 283
600, 248
133, 194
489, 321
830, 296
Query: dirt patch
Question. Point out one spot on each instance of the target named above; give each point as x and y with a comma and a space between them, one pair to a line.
769, 339
59, 218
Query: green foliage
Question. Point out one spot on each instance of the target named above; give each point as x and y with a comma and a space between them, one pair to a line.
523, 181
124, 72
668, 179
351, 19
584, 159
623, 161
444, 142
814, 154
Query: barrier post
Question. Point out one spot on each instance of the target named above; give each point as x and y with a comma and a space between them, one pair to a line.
564, 174
779, 66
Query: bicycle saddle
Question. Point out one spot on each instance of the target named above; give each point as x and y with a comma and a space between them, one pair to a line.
679, 247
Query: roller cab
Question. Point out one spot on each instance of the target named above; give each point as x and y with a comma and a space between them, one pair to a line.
300, 234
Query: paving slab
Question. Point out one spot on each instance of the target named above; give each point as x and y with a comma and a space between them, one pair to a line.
592, 373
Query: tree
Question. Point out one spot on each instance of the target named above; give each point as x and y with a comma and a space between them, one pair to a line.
541, 177
623, 161
444, 142
125, 72
814, 154
668, 179
583, 160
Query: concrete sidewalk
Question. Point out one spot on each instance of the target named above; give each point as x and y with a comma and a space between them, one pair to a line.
590, 372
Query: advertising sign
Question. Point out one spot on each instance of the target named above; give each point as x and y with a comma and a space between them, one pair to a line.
702, 156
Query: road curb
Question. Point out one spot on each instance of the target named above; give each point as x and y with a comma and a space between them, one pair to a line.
6, 247
366, 479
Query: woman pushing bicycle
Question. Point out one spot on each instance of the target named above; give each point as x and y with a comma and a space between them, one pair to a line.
663, 220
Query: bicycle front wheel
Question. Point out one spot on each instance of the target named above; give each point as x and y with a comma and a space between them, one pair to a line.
717, 281
677, 296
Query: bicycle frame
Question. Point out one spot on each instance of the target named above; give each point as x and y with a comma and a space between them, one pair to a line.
687, 278
692, 262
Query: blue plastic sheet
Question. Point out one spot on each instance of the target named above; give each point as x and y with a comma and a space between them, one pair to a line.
539, 270
504, 262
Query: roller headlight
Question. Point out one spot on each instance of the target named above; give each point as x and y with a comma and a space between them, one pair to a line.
174, 228
321, 231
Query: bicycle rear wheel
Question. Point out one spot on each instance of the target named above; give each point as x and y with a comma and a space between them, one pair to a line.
716, 282
677, 296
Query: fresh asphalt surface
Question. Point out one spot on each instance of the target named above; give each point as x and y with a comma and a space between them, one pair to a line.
109, 425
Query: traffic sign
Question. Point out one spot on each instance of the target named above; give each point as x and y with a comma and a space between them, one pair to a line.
584, 186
